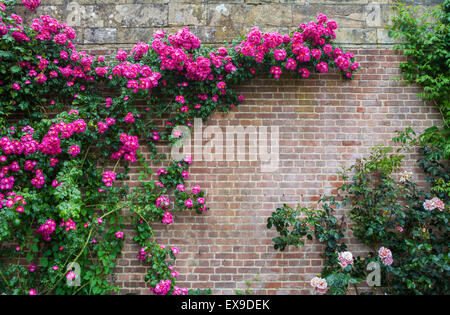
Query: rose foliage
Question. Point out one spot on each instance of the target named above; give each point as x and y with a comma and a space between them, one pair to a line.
405, 227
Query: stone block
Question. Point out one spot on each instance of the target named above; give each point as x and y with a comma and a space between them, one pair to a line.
356, 36
372, 15
344, 15
227, 15
134, 15
134, 35
269, 15
77, 15
187, 14
99, 36
383, 38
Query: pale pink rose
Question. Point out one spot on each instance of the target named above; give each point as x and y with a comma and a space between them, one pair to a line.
429, 205
315, 282
438, 203
384, 252
345, 259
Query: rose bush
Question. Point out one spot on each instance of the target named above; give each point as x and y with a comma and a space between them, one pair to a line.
404, 226
66, 148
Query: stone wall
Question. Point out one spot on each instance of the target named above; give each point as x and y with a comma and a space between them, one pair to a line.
324, 122
126, 22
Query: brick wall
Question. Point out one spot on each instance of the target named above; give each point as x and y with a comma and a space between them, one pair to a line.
324, 122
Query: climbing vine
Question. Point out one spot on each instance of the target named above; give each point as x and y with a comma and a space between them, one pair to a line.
424, 39
70, 129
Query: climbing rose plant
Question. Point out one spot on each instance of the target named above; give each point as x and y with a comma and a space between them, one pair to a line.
404, 226
66, 147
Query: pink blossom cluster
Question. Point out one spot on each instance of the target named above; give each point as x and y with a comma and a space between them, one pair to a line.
79, 67
322, 67
143, 253
71, 275
167, 218
12, 200
46, 229
110, 121
3, 28
385, 255
74, 150
29, 165
279, 54
68, 225
345, 259
196, 189
179, 291
14, 167
101, 71
39, 180
46, 27
140, 77
181, 187
174, 57
316, 32
50, 144
177, 133
52, 140
162, 288
161, 171
121, 55
320, 284
6, 183
129, 118
139, 50
199, 69
102, 127
129, 148
434, 203
25, 146
276, 71
162, 202
17, 29
108, 178
258, 45
156, 136
188, 203
188, 159
184, 39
